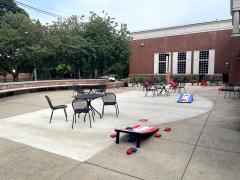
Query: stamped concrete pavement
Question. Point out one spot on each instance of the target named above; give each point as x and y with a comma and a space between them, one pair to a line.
204, 147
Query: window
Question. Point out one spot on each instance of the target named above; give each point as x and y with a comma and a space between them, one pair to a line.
203, 62
181, 66
162, 64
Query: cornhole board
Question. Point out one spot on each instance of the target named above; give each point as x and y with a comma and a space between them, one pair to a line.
138, 131
185, 98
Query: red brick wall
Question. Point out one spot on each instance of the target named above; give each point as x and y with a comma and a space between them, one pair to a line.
235, 61
141, 61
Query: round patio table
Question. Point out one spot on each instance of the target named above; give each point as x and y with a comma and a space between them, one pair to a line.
162, 87
89, 98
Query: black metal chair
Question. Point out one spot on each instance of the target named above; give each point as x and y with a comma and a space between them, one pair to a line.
78, 90
102, 89
81, 106
110, 99
215, 80
56, 108
149, 88
229, 88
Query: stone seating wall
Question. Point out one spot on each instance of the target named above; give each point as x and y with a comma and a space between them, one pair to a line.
30, 86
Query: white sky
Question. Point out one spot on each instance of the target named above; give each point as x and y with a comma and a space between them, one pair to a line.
137, 14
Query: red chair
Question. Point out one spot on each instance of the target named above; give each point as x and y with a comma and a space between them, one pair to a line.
173, 86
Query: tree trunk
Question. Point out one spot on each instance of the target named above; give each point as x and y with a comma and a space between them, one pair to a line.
4, 78
15, 77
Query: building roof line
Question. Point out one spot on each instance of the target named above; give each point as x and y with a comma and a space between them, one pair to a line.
182, 26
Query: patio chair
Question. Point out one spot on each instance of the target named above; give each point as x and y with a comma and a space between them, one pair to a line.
78, 90
134, 82
56, 108
110, 99
215, 80
181, 87
148, 88
102, 89
81, 106
173, 86
229, 88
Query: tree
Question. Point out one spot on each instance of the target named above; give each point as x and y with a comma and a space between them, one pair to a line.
63, 69
94, 48
110, 46
19, 42
3, 73
10, 6
72, 49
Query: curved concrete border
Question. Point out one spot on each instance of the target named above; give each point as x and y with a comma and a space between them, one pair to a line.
33, 86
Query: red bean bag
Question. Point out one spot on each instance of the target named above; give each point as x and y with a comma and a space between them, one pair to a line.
157, 135
167, 129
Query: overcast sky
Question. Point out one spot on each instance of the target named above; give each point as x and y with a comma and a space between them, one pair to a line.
137, 14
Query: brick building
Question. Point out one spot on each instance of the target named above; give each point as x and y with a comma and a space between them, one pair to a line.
202, 48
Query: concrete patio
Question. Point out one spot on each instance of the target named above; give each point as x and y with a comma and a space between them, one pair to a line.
203, 145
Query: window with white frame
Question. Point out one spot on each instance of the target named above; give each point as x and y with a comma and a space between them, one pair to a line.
162, 63
203, 62
181, 66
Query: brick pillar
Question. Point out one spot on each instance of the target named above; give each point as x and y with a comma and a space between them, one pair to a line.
234, 60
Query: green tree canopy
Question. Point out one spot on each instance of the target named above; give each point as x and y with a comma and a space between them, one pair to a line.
10, 6
19, 38
92, 48
110, 45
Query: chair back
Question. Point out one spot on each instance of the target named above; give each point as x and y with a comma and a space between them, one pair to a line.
79, 90
49, 101
102, 89
229, 87
172, 83
109, 97
79, 104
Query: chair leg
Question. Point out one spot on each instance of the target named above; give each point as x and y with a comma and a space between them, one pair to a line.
225, 94
93, 115
103, 111
51, 117
117, 108
89, 119
85, 117
73, 120
65, 113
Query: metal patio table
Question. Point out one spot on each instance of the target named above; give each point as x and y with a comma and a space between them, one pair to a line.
162, 88
89, 97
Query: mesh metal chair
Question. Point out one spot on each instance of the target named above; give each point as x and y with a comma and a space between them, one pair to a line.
229, 88
78, 90
149, 88
102, 89
81, 106
56, 108
110, 99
